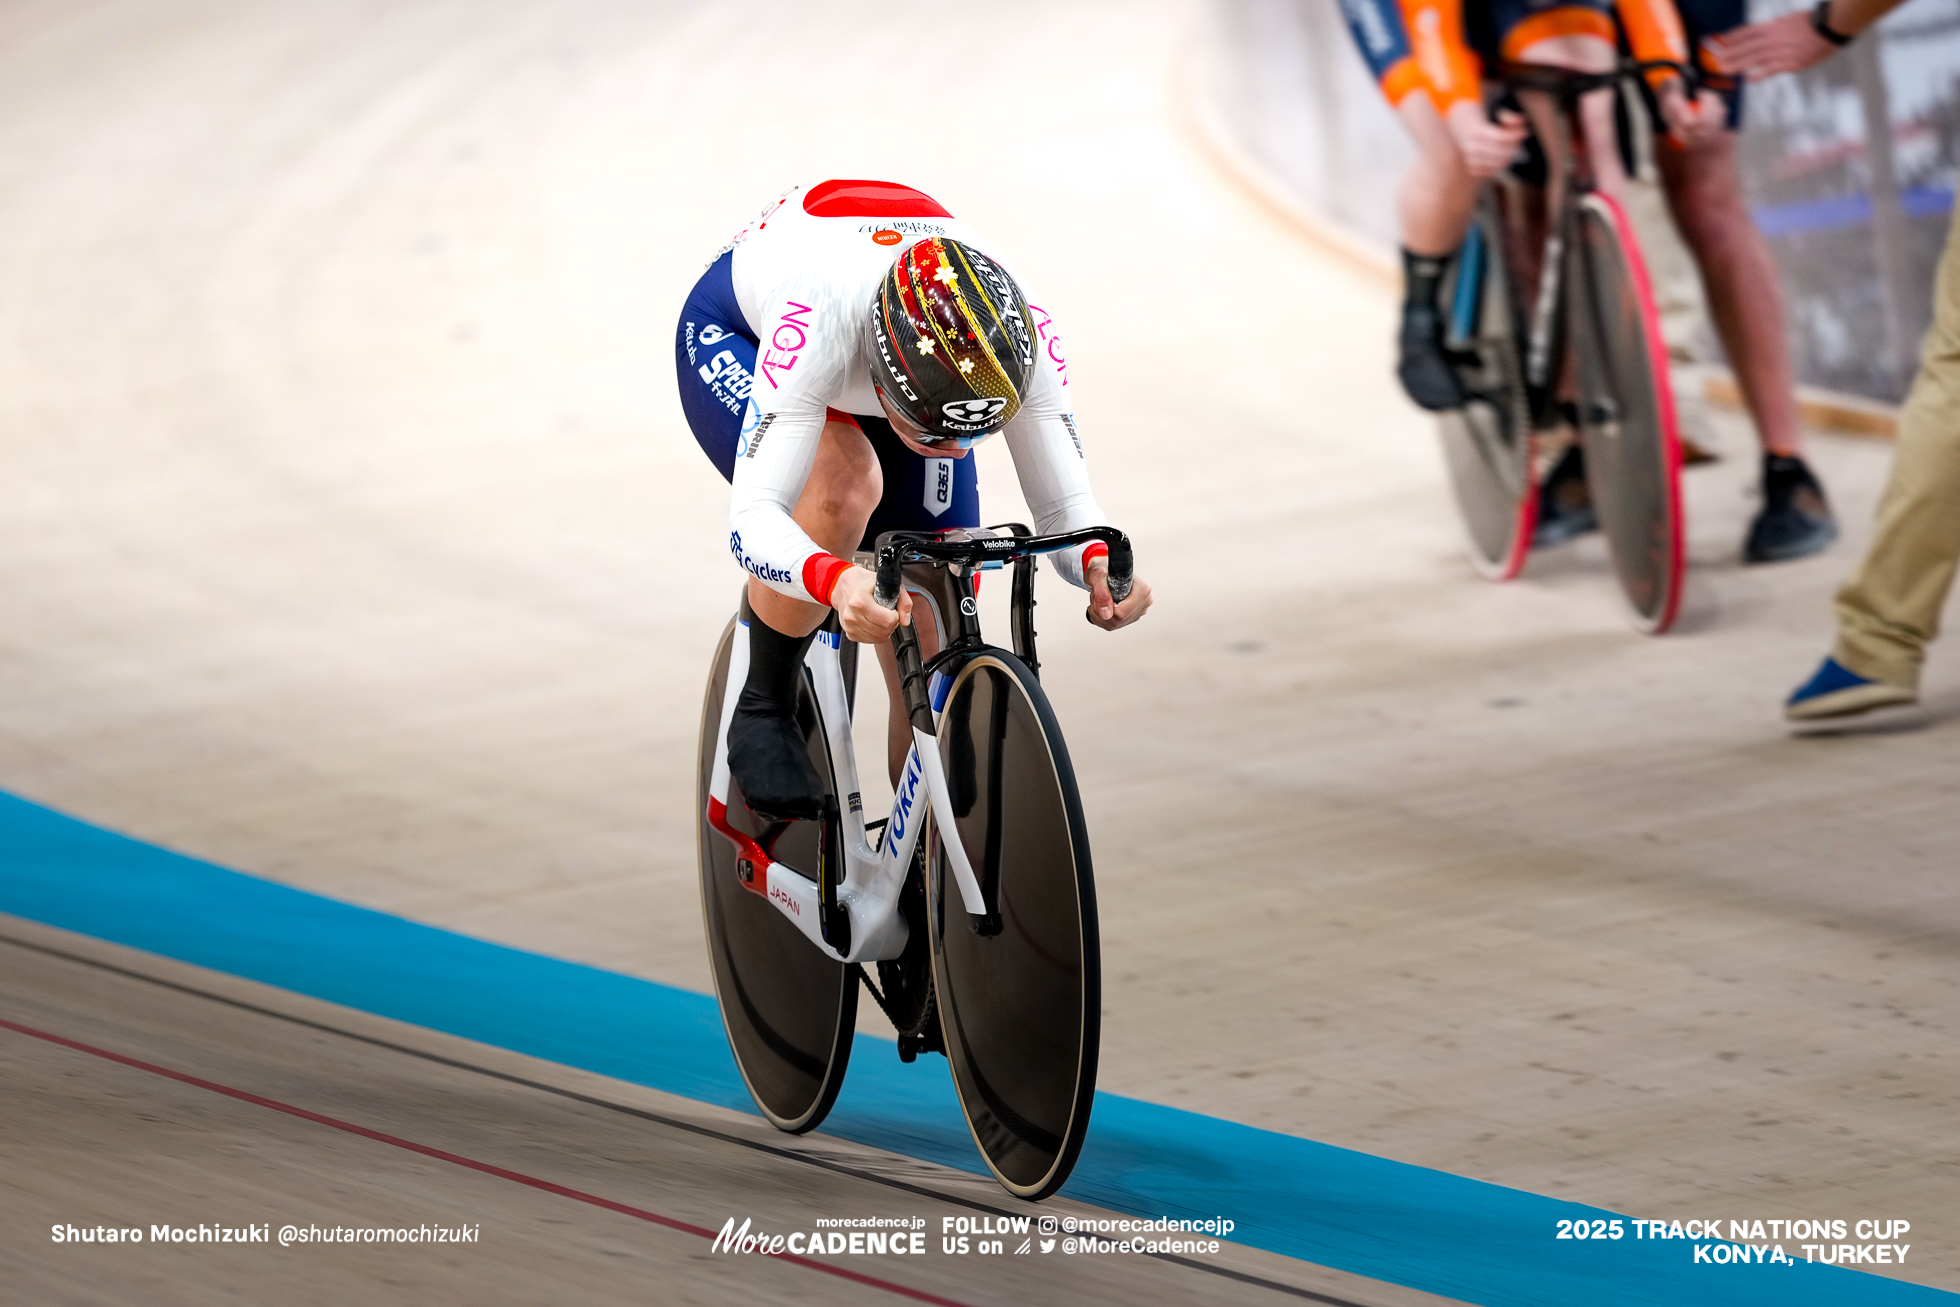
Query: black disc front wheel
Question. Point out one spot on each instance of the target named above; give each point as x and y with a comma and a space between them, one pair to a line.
1626, 413
789, 1009
1020, 987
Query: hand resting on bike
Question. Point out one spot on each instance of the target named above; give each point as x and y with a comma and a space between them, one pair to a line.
864, 619
1488, 147
1103, 610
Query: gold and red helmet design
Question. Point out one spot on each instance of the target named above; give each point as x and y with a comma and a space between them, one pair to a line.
955, 353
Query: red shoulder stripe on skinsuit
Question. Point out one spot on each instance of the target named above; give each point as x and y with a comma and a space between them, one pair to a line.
820, 573
867, 199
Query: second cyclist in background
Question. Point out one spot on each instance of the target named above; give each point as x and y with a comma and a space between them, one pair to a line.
1428, 56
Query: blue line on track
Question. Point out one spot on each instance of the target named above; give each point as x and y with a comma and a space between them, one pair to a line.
1461, 1238
1836, 212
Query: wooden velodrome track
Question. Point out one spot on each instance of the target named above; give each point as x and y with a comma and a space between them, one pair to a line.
351, 537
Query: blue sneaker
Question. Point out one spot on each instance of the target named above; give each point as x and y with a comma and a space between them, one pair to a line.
1837, 691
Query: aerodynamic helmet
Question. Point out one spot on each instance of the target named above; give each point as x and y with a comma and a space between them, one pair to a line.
955, 352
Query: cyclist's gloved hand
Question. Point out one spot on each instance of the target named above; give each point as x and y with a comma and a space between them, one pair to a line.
1691, 122
865, 620
1487, 147
1104, 611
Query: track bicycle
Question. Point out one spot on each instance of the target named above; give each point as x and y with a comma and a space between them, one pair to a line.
1580, 353
973, 900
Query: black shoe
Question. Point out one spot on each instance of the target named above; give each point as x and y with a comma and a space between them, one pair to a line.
1795, 521
768, 759
766, 753
1565, 507
1424, 367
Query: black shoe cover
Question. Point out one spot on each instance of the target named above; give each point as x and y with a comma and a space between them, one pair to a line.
768, 760
766, 752
1565, 507
1424, 369
1795, 521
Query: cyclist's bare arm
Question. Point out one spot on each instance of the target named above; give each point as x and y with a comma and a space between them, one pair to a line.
1790, 44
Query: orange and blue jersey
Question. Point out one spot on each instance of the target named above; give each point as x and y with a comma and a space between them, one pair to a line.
1416, 45
1440, 47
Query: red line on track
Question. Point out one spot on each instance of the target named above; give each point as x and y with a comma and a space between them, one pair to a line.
515, 1177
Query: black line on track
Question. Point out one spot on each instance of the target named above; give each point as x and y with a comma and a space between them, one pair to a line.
671, 1123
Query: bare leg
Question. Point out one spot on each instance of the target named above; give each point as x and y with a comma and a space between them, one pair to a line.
1438, 193
1586, 54
1704, 192
844, 487
898, 733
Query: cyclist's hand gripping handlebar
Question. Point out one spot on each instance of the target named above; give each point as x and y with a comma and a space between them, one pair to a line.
890, 578
1122, 568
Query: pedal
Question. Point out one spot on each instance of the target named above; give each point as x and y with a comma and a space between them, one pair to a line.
986, 925
833, 918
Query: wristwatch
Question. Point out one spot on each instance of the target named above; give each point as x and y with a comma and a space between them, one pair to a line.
1820, 22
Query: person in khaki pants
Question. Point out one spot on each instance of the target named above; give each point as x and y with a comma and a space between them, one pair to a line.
1888, 610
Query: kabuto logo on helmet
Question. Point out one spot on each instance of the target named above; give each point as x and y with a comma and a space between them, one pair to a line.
972, 414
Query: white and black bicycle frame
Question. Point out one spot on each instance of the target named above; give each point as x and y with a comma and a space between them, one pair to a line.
849, 907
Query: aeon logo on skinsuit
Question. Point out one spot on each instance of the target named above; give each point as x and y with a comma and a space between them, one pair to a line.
1043, 326
786, 342
908, 793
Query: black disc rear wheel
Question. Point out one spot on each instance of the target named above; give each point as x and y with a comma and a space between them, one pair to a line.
789, 1009
1020, 1007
